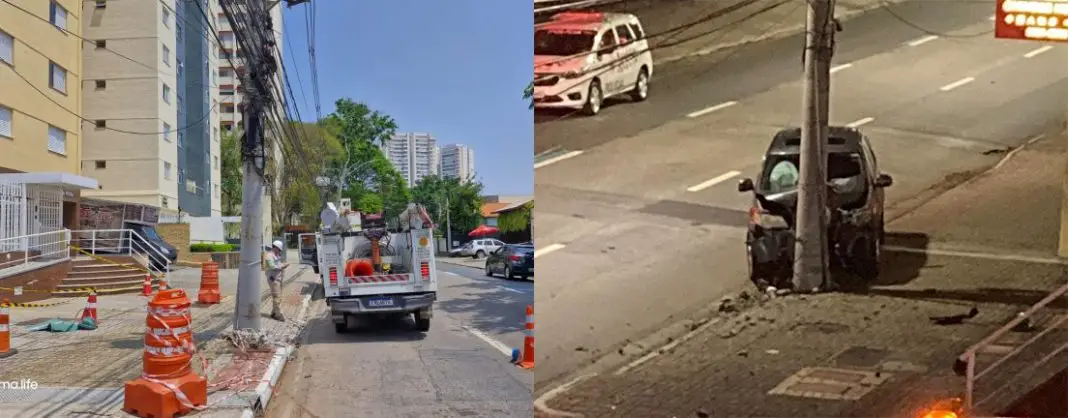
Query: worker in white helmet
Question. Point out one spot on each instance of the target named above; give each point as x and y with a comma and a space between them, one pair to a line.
275, 267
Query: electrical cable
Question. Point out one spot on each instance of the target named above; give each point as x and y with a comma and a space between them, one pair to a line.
886, 8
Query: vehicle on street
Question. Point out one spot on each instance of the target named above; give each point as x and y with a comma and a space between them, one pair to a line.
479, 248
308, 252
511, 260
855, 207
583, 58
374, 272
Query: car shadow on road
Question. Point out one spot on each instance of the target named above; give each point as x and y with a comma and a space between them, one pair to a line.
368, 330
488, 305
904, 257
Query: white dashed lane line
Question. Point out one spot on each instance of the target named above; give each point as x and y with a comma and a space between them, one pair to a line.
713, 181
838, 68
860, 122
957, 83
1038, 51
557, 159
548, 249
711, 109
922, 40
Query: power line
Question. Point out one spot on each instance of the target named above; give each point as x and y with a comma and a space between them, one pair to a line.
886, 8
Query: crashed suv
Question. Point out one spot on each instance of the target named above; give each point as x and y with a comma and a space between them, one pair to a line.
855, 201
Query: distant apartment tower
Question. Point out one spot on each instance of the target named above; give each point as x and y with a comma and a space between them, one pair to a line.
413, 154
457, 161
131, 84
196, 65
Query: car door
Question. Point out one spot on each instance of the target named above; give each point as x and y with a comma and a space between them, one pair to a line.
608, 62
502, 257
627, 55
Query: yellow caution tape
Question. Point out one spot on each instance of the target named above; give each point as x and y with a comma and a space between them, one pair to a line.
13, 290
35, 305
76, 290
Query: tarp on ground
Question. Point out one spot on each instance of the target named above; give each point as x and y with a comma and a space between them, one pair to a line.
62, 325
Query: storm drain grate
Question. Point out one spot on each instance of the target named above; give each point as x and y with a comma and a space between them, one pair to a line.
830, 383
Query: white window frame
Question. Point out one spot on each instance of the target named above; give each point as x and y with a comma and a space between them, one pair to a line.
57, 146
6, 127
166, 17
167, 170
52, 67
166, 55
54, 15
166, 132
7, 48
166, 93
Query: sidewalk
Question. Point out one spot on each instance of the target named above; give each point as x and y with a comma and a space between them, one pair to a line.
989, 243
83, 372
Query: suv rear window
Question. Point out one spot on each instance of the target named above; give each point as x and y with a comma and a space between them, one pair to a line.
781, 172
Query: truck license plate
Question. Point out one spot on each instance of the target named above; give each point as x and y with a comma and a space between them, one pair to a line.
380, 302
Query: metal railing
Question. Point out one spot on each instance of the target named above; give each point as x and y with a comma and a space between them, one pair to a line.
40, 247
123, 242
972, 375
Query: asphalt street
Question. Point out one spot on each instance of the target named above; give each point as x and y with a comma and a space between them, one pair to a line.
645, 225
457, 369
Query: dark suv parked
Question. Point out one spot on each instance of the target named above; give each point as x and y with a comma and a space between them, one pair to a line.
855, 204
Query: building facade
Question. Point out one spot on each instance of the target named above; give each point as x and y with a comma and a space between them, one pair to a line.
199, 170
415, 155
40, 86
458, 161
130, 92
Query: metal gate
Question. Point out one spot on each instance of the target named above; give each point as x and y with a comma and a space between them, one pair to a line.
45, 215
12, 215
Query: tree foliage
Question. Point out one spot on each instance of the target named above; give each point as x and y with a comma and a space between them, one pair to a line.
318, 148
231, 174
464, 200
528, 94
516, 220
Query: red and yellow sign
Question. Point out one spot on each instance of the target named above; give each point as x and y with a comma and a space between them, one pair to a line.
1034, 20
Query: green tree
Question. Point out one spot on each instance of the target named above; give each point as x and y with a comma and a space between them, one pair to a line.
231, 173
317, 148
516, 220
528, 94
464, 200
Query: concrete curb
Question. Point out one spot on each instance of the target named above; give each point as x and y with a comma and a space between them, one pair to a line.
456, 263
265, 390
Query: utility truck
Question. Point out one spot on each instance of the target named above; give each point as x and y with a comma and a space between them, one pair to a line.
377, 268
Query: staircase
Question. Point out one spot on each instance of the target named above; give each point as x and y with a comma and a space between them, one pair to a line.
109, 275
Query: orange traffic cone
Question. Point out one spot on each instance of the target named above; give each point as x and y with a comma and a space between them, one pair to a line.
146, 290
168, 386
5, 332
209, 284
528, 341
90, 308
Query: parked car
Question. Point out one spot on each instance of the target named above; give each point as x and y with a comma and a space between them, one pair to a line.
511, 260
479, 248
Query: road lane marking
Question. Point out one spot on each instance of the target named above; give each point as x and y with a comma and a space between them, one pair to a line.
1008, 156
860, 122
838, 68
504, 349
557, 159
714, 181
923, 40
711, 109
452, 274
957, 83
541, 404
548, 249
512, 290
1038, 51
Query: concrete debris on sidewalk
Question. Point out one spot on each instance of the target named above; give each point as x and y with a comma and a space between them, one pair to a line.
888, 348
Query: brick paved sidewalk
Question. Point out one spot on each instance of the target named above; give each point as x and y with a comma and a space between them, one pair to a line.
83, 372
874, 353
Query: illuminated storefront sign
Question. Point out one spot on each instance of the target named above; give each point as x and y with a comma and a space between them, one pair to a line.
1034, 20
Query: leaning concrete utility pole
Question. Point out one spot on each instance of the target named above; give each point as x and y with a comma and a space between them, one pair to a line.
809, 260
823, 71
254, 33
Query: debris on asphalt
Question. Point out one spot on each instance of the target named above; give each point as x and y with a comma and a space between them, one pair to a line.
955, 319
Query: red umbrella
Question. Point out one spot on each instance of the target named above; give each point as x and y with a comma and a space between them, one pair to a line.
483, 230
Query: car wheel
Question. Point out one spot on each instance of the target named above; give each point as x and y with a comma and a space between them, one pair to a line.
422, 324
594, 98
757, 274
480, 254
489, 271
508, 273
315, 268
641, 86
341, 328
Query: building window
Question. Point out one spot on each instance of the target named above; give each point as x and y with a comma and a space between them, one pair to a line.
101, 124
57, 140
216, 135
101, 44
101, 164
166, 132
166, 17
216, 162
7, 48
216, 190
100, 4
166, 170
181, 139
57, 77
58, 16
166, 55
166, 93
101, 84
227, 108
5, 122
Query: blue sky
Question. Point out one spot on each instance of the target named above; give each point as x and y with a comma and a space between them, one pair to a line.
455, 68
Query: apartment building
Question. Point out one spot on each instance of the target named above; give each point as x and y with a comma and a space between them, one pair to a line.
130, 92
41, 134
458, 161
40, 75
415, 155
199, 170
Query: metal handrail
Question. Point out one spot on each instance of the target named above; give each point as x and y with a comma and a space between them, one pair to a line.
127, 240
22, 243
969, 356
